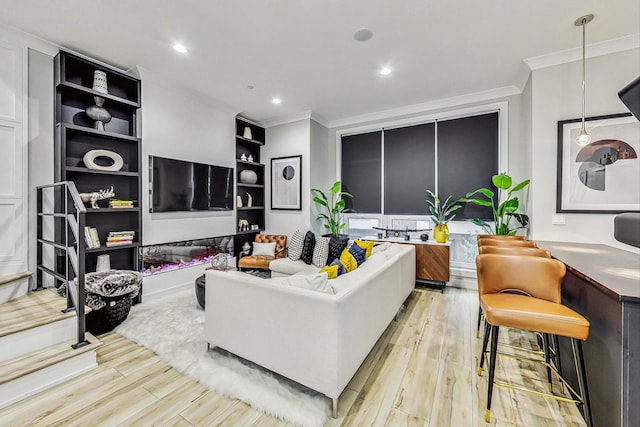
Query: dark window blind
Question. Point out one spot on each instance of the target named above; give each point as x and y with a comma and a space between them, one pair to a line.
467, 159
361, 171
409, 168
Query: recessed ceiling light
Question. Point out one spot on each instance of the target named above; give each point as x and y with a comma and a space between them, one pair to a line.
385, 71
363, 34
276, 101
179, 48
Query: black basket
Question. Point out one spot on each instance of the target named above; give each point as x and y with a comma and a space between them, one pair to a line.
110, 316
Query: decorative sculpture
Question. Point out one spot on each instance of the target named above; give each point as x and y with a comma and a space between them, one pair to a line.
93, 197
249, 200
97, 112
243, 225
238, 201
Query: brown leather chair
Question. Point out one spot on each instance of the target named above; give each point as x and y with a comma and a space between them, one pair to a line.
523, 292
501, 236
262, 262
490, 241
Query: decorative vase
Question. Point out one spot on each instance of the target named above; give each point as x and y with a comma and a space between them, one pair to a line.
248, 176
100, 81
99, 115
238, 202
441, 233
247, 133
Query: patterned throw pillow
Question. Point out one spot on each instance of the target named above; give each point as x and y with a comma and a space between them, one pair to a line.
331, 270
321, 252
360, 254
307, 247
295, 246
367, 245
336, 245
348, 261
341, 269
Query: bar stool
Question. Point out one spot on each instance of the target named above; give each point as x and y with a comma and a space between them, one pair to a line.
501, 236
535, 307
490, 241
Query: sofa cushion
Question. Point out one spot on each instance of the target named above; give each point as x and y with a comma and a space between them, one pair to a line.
348, 260
341, 269
336, 245
308, 247
315, 282
295, 245
331, 270
359, 253
264, 249
289, 267
367, 245
321, 252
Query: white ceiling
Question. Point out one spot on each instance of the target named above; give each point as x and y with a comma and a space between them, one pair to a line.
303, 51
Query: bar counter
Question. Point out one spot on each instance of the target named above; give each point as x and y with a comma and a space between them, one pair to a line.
603, 284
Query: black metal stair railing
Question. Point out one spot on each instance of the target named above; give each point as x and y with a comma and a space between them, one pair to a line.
61, 217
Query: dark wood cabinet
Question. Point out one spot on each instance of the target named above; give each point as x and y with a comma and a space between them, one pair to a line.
432, 262
76, 135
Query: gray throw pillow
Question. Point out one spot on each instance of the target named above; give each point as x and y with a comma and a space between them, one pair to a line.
295, 246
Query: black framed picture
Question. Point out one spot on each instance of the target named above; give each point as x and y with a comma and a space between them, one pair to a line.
286, 183
604, 175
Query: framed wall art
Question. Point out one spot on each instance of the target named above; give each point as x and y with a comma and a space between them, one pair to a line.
603, 176
286, 179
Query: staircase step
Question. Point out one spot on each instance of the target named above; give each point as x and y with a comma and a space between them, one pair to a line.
13, 277
14, 285
26, 375
32, 310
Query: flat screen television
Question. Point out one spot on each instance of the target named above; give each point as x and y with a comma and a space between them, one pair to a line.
178, 185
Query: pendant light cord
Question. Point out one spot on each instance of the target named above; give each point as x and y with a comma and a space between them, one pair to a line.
584, 23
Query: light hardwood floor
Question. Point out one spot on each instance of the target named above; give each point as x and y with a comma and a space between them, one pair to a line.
422, 372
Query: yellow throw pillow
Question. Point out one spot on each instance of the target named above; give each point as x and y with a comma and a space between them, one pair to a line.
348, 260
367, 245
331, 270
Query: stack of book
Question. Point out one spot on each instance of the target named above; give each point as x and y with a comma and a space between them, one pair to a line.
91, 237
119, 238
120, 204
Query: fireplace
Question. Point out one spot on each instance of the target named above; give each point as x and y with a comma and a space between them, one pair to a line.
172, 256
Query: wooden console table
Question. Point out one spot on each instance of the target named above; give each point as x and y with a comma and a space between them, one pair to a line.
432, 260
603, 284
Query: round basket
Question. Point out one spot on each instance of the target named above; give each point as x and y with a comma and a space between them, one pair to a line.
110, 316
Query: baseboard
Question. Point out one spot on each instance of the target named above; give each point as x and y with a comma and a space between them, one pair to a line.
464, 280
30, 340
160, 285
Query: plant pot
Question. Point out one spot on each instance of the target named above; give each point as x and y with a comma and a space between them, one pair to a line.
441, 233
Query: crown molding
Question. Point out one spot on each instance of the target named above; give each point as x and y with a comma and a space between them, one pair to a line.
606, 47
303, 115
455, 101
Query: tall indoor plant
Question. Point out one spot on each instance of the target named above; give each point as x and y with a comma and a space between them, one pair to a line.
506, 219
441, 214
333, 206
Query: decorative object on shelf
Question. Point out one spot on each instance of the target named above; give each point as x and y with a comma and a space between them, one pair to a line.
103, 263
506, 210
90, 157
601, 177
238, 201
243, 225
424, 237
247, 132
243, 157
441, 214
98, 114
246, 249
255, 227
583, 137
286, 186
333, 207
250, 158
249, 200
97, 195
247, 176
100, 82
219, 262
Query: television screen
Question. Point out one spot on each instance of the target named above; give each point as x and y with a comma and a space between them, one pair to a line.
178, 185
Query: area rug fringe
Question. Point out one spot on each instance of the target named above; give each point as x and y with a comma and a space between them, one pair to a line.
173, 328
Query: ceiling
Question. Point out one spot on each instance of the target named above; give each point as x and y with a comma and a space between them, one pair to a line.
304, 51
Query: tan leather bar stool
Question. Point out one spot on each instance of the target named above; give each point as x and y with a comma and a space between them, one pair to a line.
490, 241
501, 236
535, 307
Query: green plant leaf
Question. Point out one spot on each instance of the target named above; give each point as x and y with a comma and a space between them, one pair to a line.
340, 204
484, 191
480, 202
336, 187
344, 193
510, 206
320, 202
502, 181
520, 186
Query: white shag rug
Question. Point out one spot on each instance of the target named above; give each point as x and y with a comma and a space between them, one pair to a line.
173, 328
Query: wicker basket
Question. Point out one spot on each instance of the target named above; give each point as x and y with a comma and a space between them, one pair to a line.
110, 316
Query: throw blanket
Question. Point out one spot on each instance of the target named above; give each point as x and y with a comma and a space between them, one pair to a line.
113, 283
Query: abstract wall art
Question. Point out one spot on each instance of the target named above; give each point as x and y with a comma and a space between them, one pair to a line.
286, 189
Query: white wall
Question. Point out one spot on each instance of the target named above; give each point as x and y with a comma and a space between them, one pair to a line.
556, 95
183, 125
289, 139
322, 169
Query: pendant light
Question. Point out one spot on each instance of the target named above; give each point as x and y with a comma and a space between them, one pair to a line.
583, 138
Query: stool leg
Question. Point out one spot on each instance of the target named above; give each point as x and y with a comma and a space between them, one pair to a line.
558, 362
578, 358
485, 340
492, 369
547, 359
479, 321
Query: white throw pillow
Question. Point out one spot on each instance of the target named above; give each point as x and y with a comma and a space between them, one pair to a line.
315, 282
295, 246
321, 252
264, 249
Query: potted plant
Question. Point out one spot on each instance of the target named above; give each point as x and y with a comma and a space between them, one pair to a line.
441, 214
505, 212
333, 207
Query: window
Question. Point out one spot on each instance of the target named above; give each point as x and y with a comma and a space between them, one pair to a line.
362, 171
360, 227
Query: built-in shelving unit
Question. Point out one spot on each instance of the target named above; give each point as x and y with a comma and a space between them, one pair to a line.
76, 134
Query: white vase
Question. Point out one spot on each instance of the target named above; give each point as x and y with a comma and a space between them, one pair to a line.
100, 81
247, 132
248, 176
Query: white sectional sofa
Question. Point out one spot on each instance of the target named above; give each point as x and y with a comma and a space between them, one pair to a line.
318, 339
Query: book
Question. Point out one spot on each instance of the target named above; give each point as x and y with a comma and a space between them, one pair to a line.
121, 233
94, 237
87, 237
120, 239
122, 243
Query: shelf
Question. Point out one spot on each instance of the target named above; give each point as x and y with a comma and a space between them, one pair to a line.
113, 210
68, 86
252, 141
252, 208
78, 169
251, 185
244, 162
92, 131
250, 232
104, 248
